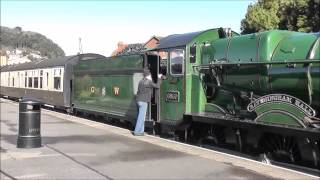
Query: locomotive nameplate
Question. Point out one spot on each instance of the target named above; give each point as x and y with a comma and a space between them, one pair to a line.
172, 96
284, 99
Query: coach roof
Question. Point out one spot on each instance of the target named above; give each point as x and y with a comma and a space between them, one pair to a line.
45, 63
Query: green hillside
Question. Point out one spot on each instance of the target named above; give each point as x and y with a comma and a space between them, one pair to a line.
29, 41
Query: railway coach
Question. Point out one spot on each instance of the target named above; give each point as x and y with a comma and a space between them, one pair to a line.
49, 81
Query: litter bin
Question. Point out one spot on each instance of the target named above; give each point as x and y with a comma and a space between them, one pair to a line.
29, 123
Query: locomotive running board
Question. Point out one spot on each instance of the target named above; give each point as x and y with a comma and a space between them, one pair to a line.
234, 122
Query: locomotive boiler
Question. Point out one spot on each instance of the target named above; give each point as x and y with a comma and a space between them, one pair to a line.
271, 70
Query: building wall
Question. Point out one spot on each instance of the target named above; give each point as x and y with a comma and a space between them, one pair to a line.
18, 60
3, 60
121, 46
152, 43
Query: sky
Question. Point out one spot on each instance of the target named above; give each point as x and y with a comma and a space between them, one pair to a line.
101, 24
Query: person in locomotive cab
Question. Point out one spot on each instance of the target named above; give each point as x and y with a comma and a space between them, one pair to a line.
143, 97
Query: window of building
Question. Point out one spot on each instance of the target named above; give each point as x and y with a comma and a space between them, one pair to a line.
41, 72
30, 82
25, 82
12, 82
176, 61
57, 83
35, 82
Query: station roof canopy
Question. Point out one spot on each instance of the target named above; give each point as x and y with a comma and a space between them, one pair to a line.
177, 40
46, 63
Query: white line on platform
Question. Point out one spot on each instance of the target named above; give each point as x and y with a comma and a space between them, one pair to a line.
30, 176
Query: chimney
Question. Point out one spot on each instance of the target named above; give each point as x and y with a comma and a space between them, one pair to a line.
121, 45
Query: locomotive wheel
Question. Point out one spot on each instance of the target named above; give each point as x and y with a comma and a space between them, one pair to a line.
213, 135
216, 135
280, 148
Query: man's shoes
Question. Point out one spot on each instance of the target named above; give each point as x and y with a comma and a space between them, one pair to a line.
138, 134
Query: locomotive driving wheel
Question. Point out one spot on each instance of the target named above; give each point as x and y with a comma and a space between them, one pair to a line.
279, 148
216, 135
213, 135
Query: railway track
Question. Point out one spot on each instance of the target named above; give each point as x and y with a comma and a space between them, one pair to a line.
264, 159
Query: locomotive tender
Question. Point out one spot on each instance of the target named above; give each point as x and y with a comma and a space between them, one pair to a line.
257, 93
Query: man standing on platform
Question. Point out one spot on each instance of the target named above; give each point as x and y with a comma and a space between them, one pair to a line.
143, 97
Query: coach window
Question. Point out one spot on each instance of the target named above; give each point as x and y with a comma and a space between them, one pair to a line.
41, 78
30, 82
18, 83
9, 80
57, 79
176, 61
21, 80
35, 82
57, 83
25, 79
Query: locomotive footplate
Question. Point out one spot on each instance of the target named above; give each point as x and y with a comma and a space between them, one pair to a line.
234, 122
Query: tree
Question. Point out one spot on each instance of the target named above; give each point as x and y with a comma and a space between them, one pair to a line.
294, 15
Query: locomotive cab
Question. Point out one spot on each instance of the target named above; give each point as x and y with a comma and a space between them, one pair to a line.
181, 92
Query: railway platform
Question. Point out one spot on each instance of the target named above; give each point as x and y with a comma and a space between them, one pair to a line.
76, 148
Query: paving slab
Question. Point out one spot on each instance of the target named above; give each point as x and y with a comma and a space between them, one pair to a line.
75, 148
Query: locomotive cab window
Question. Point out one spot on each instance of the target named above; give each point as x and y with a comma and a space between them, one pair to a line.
176, 62
163, 62
193, 50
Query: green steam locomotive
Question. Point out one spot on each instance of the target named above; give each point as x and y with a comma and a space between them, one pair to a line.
257, 93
